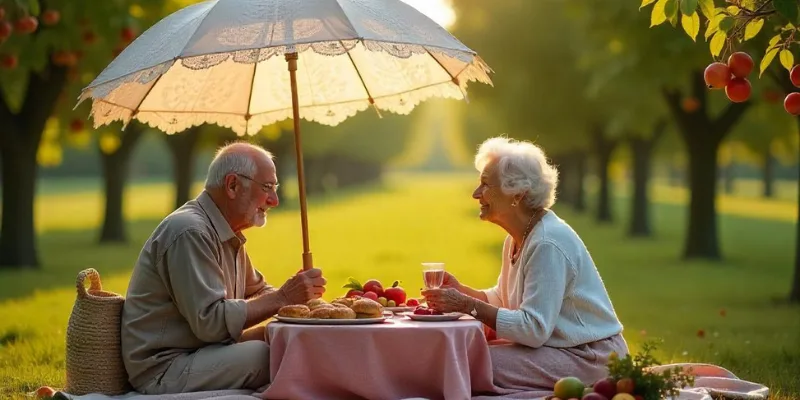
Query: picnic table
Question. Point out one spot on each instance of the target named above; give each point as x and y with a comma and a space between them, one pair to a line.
395, 359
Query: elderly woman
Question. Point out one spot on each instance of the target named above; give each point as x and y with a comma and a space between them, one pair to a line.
549, 308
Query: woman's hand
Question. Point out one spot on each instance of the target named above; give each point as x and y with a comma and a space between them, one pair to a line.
448, 300
450, 282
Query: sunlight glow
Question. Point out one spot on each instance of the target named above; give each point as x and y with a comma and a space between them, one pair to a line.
438, 10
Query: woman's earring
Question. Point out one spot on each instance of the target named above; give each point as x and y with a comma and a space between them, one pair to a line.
514, 204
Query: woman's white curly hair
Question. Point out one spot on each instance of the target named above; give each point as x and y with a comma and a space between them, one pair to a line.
523, 168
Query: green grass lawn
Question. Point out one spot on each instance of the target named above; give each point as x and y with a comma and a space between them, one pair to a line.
387, 232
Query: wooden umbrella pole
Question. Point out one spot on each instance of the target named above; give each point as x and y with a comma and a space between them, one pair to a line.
291, 58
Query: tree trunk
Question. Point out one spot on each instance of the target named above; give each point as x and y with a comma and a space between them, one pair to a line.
183, 147
605, 149
768, 174
580, 177
702, 240
642, 150
702, 136
18, 240
794, 293
20, 135
115, 175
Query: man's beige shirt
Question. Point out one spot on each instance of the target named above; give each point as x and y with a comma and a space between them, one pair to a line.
187, 290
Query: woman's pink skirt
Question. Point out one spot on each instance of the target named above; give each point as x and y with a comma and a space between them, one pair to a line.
522, 372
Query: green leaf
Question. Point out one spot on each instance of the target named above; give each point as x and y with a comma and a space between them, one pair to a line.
748, 4
691, 25
674, 19
787, 59
713, 25
688, 7
787, 8
33, 7
646, 3
353, 284
717, 42
752, 28
657, 16
774, 41
726, 24
707, 8
768, 57
671, 9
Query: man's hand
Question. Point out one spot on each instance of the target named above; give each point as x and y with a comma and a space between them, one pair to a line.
304, 286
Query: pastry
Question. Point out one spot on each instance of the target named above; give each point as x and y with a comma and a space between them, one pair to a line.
294, 311
344, 301
321, 313
342, 313
366, 308
340, 305
314, 303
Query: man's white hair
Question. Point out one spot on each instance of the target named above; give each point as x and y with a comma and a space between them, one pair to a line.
522, 168
234, 158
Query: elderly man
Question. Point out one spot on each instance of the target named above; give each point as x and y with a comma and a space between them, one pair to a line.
194, 300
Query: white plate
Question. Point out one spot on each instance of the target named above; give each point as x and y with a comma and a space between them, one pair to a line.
434, 318
399, 309
318, 321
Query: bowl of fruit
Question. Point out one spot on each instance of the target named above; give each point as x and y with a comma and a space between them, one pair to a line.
392, 298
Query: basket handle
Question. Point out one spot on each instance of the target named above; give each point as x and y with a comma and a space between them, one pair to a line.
95, 284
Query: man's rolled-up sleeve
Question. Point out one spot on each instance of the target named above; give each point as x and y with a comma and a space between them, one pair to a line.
197, 284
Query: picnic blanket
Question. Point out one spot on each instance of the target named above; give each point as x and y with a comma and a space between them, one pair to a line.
711, 382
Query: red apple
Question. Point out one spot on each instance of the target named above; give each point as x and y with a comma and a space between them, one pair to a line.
370, 295
625, 385
354, 293
740, 64
794, 75
9, 61
51, 17
594, 396
395, 293
738, 90
792, 105
606, 387
373, 285
45, 392
5, 30
717, 75
26, 25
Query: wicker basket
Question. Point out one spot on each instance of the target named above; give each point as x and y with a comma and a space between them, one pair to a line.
94, 357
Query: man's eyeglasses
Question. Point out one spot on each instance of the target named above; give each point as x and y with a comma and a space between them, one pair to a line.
266, 187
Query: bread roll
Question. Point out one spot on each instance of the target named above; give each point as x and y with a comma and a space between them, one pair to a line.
294, 311
321, 312
314, 303
366, 308
342, 313
347, 301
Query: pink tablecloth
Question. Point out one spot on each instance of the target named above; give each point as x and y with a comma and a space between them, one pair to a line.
397, 359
